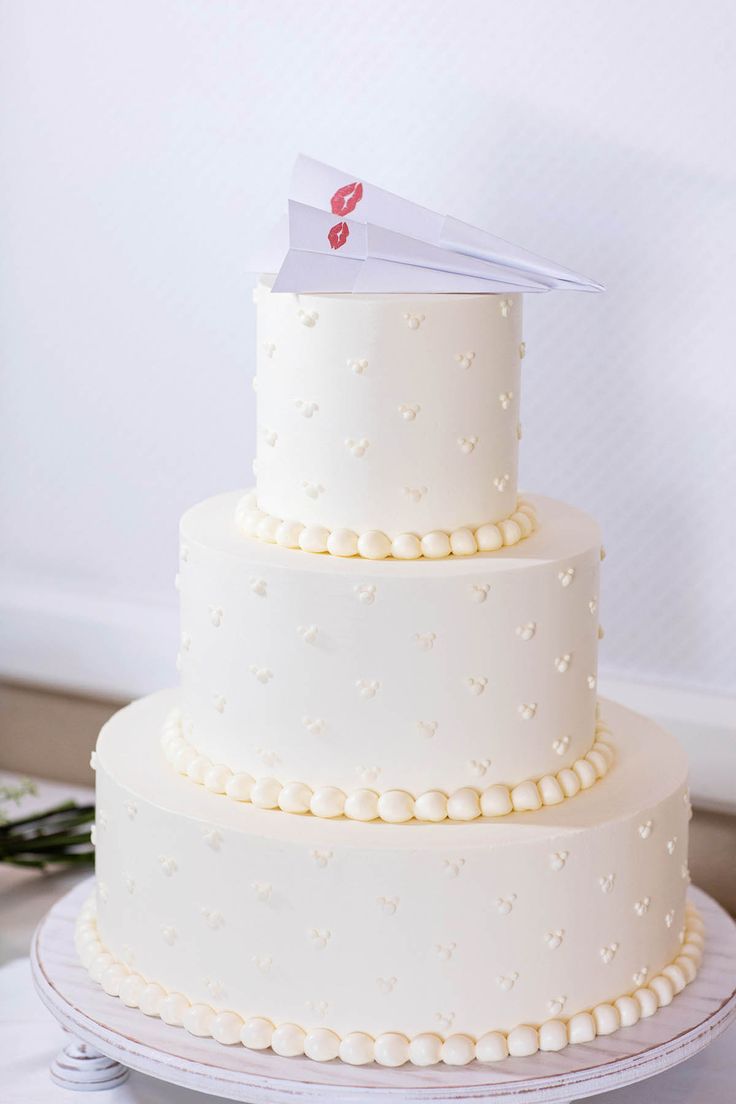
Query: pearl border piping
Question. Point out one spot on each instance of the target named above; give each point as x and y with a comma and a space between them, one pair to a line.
393, 806
376, 545
392, 1048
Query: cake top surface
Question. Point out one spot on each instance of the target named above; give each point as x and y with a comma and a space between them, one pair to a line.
650, 765
563, 530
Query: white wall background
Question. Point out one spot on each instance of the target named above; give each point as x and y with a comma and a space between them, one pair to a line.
145, 141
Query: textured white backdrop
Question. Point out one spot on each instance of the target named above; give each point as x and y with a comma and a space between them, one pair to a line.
144, 142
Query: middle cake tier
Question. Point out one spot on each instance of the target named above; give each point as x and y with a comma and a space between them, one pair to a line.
353, 674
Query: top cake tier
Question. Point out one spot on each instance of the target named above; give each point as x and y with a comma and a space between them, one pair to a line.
388, 413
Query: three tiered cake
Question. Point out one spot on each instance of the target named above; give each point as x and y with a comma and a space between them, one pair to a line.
385, 817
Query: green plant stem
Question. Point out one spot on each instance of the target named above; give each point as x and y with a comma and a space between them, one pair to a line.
47, 831
58, 810
41, 862
56, 843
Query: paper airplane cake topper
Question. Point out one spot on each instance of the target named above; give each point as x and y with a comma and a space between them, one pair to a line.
346, 235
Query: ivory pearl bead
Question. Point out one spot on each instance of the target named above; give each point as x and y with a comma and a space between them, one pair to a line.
85, 934
489, 538
288, 533
328, 802
198, 1019
265, 793
496, 801
342, 542
250, 520
217, 777
406, 547
186, 756
695, 922
150, 999
267, 529
240, 787
491, 1047
431, 806
606, 1019
374, 545
391, 1049
90, 952
628, 1011
663, 989
464, 804
172, 746
113, 977
581, 1028
525, 797
552, 1035
523, 1041
436, 545
396, 806
569, 782
463, 542
425, 1050
550, 790
356, 1049
362, 805
676, 976
288, 1040
604, 749
99, 965
510, 532
198, 768
131, 990
458, 1050
295, 797
321, 1045
523, 521
172, 1009
687, 966
597, 761
313, 538
692, 950
585, 772
647, 1001
256, 1033
226, 1028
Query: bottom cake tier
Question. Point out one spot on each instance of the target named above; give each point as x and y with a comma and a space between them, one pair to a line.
412, 942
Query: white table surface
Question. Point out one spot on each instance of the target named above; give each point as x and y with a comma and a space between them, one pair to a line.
30, 1037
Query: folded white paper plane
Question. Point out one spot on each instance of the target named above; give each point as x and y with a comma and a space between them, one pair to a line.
346, 235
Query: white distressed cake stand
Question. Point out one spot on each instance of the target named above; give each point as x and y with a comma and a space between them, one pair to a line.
109, 1039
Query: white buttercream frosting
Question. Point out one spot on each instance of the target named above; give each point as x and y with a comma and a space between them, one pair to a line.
393, 806
389, 414
464, 929
430, 675
321, 1044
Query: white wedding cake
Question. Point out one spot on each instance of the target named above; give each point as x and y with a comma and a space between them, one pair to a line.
385, 817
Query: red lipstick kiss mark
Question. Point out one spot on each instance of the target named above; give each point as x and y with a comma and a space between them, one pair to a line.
347, 198
338, 235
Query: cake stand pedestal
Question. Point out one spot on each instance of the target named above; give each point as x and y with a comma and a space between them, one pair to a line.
109, 1039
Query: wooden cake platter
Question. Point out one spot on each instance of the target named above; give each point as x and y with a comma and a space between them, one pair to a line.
109, 1039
